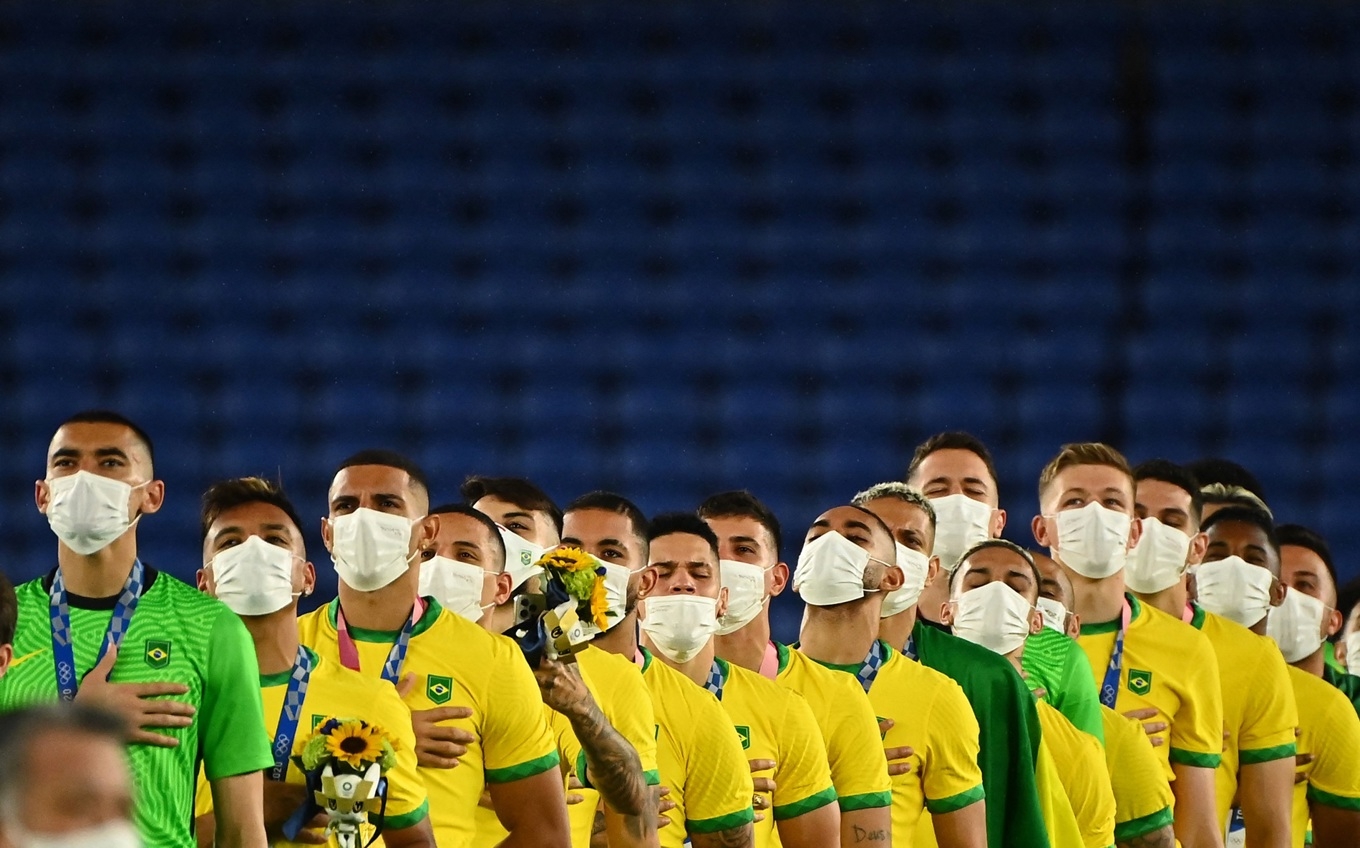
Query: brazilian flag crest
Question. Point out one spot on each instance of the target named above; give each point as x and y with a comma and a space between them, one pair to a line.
157, 653
439, 689
745, 733
1140, 682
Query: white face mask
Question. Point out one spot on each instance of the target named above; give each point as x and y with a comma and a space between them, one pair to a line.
1234, 589
1157, 562
254, 577
370, 549
960, 523
113, 834
616, 579
1055, 615
456, 585
831, 571
916, 567
680, 625
745, 585
520, 556
1353, 653
1091, 540
1296, 625
994, 616
88, 511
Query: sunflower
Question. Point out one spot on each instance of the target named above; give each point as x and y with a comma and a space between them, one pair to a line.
568, 560
355, 742
599, 606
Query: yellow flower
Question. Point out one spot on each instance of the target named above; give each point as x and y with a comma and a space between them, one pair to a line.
599, 605
568, 559
355, 744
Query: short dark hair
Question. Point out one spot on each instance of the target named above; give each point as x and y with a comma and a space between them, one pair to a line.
742, 504
515, 490
1245, 515
9, 610
1217, 470
388, 459
497, 543
610, 502
951, 440
239, 491
1179, 476
22, 728
1303, 537
670, 523
108, 416
985, 544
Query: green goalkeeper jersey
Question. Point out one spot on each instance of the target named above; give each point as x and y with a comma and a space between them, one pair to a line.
177, 635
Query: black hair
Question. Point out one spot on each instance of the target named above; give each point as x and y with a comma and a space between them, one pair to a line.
1179, 476
9, 610
388, 459
492, 531
742, 504
515, 490
951, 440
107, 416
1245, 515
239, 491
670, 523
610, 502
1216, 470
1302, 537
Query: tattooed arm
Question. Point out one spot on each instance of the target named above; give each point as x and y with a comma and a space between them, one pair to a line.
1162, 837
612, 764
736, 837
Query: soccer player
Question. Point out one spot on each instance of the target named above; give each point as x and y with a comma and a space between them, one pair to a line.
587, 700
955, 471
65, 780
700, 761
107, 630
752, 573
446, 668
1142, 795
517, 505
255, 562
1309, 614
1145, 659
1259, 714
1009, 726
1057, 664
682, 600
1240, 579
9, 613
993, 603
846, 567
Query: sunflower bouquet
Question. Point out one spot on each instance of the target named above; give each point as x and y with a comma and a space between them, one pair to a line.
344, 761
567, 606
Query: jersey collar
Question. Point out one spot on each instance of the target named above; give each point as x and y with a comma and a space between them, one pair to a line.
361, 634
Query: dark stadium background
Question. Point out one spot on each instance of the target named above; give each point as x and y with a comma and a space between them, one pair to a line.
669, 249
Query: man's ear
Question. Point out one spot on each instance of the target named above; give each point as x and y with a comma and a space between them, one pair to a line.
1135, 533
1039, 527
308, 579
779, 578
892, 579
6, 654
202, 578
1277, 592
947, 614
932, 569
646, 582
1199, 545
326, 532
1074, 626
1332, 624
722, 602
503, 583
41, 495
1036, 621
998, 522
153, 497
429, 529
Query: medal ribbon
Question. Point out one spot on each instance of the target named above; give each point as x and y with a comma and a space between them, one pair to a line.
63, 650
291, 713
349, 653
1109, 689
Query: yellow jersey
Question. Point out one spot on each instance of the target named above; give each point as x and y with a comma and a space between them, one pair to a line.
457, 664
1059, 819
334, 691
933, 716
854, 747
1258, 702
1142, 794
699, 756
1329, 730
1168, 666
1081, 771
775, 724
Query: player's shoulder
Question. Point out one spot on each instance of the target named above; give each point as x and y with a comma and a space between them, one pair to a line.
1316, 697
775, 699
608, 668
672, 690
1170, 634
184, 604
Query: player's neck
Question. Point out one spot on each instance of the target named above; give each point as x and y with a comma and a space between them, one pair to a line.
1016, 659
101, 574
620, 639
275, 637
696, 668
747, 646
499, 619
896, 629
1315, 663
933, 596
1171, 601
388, 608
839, 635
1099, 601
1259, 628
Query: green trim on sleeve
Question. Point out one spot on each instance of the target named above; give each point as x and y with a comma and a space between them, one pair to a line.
410, 819
512, 773
807, 805
1182, 757
867, 801
955, 802
1252, 756
1327, 799
727, 822
652, 777
581, 768
1142, 826
1197, 619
